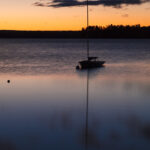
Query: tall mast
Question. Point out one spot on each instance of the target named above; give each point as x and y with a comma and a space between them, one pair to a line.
87, 28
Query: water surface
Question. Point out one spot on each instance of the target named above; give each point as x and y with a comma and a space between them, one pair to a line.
45, 105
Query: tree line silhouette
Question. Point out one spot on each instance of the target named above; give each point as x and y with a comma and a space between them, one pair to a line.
110, 31
117, 31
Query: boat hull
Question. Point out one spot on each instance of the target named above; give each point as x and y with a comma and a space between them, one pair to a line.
90, 64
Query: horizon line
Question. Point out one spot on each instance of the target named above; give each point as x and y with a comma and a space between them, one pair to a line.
103, 26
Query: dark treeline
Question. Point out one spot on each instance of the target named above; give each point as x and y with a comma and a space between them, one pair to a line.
39, 34
117, 31
111, 31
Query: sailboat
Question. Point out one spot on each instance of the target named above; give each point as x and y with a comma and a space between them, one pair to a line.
91, 62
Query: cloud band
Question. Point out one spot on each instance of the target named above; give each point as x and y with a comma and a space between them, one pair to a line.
72, 3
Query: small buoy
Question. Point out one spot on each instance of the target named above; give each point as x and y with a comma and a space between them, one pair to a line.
8, 81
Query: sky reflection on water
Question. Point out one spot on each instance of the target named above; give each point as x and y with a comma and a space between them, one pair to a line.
40, 109
49, 111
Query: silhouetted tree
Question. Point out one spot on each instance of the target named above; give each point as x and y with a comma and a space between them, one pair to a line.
110, 31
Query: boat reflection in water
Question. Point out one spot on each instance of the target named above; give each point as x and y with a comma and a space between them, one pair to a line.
90, 137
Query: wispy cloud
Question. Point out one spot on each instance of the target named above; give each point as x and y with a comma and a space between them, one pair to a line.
71, 3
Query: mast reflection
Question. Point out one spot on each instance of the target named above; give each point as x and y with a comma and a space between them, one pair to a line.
90, 137
87, 111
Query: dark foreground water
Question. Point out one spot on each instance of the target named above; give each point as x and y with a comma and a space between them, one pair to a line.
45, 105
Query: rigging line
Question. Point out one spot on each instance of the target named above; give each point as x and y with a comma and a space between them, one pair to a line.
87, 39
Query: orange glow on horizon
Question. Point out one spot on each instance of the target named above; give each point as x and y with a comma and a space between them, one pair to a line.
25, 16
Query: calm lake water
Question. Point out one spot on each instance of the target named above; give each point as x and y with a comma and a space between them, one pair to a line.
45, 105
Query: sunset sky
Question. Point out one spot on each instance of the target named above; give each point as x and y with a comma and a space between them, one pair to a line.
71, 14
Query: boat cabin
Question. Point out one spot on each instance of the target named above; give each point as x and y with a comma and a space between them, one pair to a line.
92, 58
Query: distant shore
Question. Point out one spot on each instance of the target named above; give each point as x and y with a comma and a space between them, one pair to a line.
110, 31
